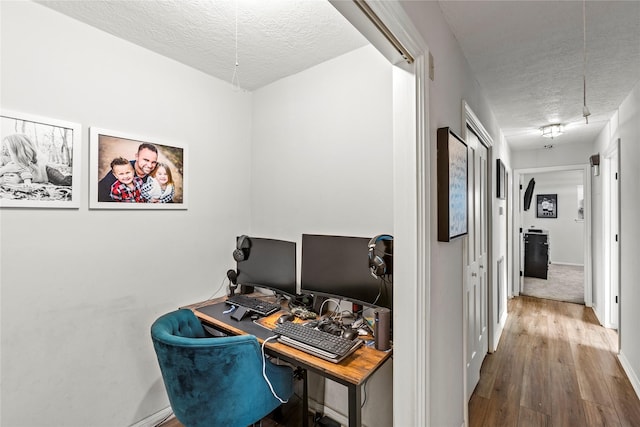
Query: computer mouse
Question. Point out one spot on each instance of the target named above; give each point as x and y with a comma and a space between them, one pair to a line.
288, 317
350, 334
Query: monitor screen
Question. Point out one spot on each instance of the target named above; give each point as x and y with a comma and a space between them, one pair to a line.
269, 263
338, 266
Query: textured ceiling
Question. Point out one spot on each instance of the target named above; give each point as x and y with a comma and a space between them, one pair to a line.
276, 38
527, 55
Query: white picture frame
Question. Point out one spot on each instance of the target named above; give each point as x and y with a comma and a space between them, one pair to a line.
51, 176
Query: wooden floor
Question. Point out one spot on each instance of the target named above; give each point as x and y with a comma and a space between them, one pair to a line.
554, 366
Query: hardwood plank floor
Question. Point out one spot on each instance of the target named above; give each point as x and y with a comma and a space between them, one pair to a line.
555, 366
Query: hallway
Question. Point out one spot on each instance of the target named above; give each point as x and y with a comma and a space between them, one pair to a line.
554, 366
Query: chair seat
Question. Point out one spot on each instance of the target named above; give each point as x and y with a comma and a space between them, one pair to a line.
215, 381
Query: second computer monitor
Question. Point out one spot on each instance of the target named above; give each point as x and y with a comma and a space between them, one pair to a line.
269, 263
338, 266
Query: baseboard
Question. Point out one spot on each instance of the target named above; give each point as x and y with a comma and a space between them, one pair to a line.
325, 410
596, 311
154, 419
633, 378
566, 263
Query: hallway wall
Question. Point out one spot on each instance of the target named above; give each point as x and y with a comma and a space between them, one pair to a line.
626, 126
453, 83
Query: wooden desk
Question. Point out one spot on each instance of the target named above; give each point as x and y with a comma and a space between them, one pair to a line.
352, 372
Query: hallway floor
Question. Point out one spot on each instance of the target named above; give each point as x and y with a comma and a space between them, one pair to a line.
554, 366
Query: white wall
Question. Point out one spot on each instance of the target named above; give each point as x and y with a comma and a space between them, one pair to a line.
322, 150
559, 155
566, 235
626, 126
76, 349
322, 154
453, 83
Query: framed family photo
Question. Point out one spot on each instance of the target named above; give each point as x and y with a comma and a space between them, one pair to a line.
134, 172
39, 161
452, 163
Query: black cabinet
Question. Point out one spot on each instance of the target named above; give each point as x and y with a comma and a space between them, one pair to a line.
536, 254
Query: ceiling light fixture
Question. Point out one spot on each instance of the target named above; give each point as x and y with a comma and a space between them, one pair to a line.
585, 110
551, 131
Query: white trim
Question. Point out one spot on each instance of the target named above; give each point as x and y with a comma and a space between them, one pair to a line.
154, 419
628, 369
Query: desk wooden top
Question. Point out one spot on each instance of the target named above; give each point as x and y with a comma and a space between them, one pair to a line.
354, 369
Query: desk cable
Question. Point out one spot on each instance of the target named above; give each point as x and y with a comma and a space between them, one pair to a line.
264, 370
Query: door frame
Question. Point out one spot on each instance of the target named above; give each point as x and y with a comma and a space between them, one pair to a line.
518, 251
610, 156
411, 201
469, 119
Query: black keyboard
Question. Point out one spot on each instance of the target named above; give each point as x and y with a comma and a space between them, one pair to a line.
263, 308
330, 347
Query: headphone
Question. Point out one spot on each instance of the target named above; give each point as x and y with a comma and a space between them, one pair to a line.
377, 263
233, 281
242, 248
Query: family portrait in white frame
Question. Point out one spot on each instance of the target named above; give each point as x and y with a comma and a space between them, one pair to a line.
134, 172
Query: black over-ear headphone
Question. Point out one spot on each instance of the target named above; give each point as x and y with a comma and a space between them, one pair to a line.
377, 263
243, 245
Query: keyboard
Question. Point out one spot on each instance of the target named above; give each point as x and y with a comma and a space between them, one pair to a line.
263, 308
330, 347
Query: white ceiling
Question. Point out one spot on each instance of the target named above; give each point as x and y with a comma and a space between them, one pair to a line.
527, 55
276, 38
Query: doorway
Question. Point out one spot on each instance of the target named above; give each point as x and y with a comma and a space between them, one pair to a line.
557, 220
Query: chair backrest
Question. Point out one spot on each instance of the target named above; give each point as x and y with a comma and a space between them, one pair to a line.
211, 381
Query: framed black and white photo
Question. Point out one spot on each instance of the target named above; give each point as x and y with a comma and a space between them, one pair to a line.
134, 172
547, 206
39, 161
452, 185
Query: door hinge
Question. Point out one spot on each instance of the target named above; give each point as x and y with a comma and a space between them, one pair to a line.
616, 176
616, 299
521, 229
521, 186
616, 237
521, 274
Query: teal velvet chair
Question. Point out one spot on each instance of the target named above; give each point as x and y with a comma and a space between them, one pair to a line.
215, 381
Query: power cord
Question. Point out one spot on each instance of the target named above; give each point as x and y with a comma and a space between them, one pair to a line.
264, 371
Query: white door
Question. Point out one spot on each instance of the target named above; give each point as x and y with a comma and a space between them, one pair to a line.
475, 292
614, 241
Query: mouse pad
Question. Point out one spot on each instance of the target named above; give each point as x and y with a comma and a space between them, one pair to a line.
217, 311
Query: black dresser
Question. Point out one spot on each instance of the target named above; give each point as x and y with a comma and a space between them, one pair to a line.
536, 253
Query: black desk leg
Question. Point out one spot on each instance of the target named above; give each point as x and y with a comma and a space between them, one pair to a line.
305, 400
355, 411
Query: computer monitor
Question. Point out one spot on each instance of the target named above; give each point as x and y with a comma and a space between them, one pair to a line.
338, 266
269, 263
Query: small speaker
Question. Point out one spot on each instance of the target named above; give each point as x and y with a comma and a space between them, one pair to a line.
382, 328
